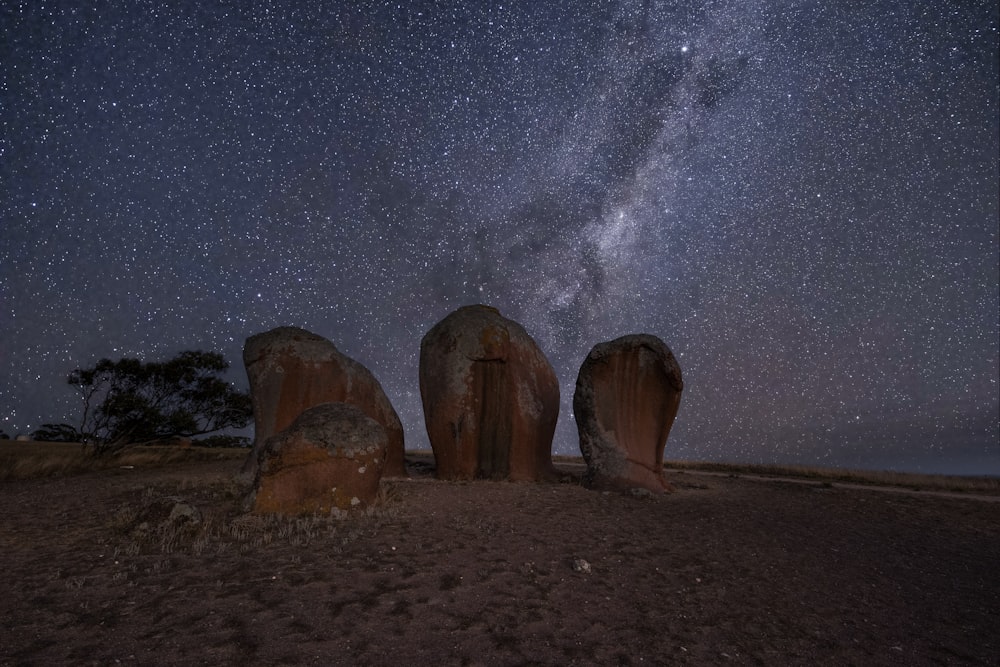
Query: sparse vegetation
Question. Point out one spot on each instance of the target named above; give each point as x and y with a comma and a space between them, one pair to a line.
29, 459
917, 482
129, 401
983, 485
147, 526
138, 558
223, 441
57, 433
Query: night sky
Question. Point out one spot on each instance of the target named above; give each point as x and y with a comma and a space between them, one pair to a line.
799, 198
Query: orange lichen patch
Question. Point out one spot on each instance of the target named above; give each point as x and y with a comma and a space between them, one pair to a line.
317, 488
298, 453
493, 341
633, 400
331, 457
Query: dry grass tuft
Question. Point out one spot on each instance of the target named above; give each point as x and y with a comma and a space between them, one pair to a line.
224, 527
987, 486
32, 459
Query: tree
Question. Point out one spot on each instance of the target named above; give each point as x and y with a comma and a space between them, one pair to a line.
128, 401
57, 433
224, 441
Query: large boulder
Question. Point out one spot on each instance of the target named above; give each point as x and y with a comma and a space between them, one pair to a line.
626, 399
330, 458
491, 398
291, 370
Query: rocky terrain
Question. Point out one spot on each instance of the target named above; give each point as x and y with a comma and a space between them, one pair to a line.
160, 566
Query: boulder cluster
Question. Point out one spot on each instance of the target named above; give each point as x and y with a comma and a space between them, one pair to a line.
326, 432
291, 370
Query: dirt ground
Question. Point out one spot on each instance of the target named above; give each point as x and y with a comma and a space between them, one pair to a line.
726, 570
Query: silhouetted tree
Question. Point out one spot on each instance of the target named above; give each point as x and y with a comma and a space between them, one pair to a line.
57, 433
223, 441
128, 401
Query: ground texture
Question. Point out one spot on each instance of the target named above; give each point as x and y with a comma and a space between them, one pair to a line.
726, 570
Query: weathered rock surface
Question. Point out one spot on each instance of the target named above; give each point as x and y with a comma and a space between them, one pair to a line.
331, 457
167, 516
291, 370
490, 397
626, 400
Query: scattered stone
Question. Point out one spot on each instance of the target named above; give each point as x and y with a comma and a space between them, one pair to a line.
582, 566
291, 370
184, 513
330, 459
691, 485
626, 399
163, 516
169, 509
490, 397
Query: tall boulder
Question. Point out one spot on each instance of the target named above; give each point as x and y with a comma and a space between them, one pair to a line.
626, 400
291, 370
331, 457
490, 397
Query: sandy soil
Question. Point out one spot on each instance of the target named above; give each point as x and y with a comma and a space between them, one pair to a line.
726, 570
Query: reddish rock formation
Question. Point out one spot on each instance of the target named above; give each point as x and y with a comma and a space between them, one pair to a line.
491, 398
291, 370
330, 457
625, 402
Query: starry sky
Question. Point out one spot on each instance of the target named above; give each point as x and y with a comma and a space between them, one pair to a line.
800, 197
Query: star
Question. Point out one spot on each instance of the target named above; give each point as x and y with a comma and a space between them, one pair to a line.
801, 204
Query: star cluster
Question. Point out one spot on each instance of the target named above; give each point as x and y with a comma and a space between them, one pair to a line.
800, 198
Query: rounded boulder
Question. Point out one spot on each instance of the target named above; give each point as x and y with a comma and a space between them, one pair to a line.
490, 398
291, 370
626, 399
331, 457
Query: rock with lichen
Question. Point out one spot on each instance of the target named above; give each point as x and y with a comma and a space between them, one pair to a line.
291, 370
330, 458
490, 397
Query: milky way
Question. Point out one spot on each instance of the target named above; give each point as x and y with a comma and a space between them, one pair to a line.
799, 198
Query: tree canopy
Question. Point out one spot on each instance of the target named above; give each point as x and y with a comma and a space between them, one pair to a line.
130, 401
57, 433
